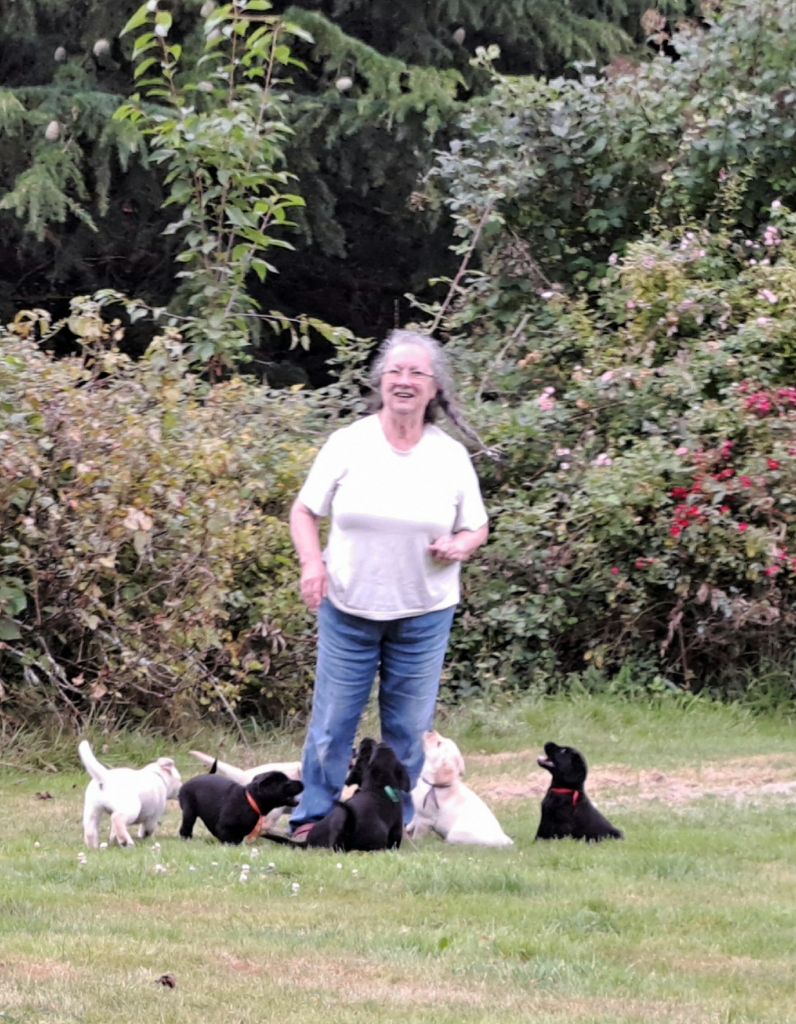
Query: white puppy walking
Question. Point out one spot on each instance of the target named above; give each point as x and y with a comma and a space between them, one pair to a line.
445, 805
132, 796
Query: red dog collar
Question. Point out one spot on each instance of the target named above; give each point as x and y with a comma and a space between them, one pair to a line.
574, 793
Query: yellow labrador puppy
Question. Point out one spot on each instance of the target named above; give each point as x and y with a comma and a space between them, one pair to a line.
243, 776
131, 796
445, 805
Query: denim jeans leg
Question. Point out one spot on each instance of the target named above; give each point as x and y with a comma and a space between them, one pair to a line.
413, 653
348, 658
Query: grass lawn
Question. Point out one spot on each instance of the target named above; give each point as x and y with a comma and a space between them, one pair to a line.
691, 918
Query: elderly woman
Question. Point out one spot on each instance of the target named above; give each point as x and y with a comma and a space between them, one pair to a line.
406, 510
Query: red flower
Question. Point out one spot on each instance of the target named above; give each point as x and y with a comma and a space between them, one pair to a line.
693, 511
642, 563
743, 527
772, 570
725, 474
725, 509
745, 482
676, 531
678, 493
614, 571
773, 464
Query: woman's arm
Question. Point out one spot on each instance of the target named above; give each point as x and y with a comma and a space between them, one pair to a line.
307, 542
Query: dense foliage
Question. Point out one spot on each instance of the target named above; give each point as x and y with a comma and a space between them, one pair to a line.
643, 503
84, 209
622, 324
145, 563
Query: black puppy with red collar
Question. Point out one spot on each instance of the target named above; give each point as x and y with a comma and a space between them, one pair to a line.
566, 810
230, 811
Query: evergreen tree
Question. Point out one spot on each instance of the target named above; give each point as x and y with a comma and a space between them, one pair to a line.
383, 86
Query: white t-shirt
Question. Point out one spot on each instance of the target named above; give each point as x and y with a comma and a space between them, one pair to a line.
386, 507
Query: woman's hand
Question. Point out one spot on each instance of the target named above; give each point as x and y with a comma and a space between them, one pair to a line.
458, 546
314, 584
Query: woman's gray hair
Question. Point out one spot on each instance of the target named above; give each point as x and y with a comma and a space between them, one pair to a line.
445, 398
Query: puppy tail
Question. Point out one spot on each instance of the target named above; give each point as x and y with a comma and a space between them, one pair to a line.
96, 770
207, 759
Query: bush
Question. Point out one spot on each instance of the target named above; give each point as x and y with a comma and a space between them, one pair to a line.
643, 506
146, 568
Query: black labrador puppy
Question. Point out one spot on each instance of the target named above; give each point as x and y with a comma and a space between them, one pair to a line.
566, 810
359, 761
231, 811
372, 819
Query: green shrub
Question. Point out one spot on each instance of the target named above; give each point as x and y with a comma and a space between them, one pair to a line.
146, 568
643, 505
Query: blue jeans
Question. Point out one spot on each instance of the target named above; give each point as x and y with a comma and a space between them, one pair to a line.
408, 655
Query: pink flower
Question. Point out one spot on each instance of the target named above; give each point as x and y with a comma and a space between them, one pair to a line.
772, 570
614, 570
768, 295
682, 450
773, 464
743, 527
678, 493
676, 531
546, 403
745, 482
759, 403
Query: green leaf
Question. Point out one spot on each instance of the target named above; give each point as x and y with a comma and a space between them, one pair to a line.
137, 20
9, 630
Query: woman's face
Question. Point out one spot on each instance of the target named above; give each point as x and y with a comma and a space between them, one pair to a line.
407, 381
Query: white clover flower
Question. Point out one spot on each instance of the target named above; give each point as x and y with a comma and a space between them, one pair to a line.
52, 132
60, 54
344, 83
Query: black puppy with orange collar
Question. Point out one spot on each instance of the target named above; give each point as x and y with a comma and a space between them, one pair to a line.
230, 811
566, 810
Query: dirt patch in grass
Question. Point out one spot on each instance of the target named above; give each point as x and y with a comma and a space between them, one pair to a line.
742, 780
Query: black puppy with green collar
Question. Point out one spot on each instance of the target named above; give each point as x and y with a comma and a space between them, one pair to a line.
372, 819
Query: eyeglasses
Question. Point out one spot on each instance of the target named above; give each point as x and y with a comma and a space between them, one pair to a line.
398, 371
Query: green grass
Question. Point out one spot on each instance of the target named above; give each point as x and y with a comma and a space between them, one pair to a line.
689, 919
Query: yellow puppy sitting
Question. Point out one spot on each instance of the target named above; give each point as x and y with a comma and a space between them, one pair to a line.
445, 805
